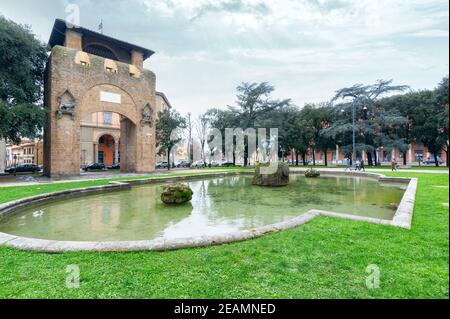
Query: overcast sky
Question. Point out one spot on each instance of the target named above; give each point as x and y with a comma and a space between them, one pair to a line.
306, 48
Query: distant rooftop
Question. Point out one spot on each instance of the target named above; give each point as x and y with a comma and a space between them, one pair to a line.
164, 97
58, 37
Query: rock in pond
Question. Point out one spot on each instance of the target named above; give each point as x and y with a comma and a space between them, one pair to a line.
312, 173
277, 177
176, 194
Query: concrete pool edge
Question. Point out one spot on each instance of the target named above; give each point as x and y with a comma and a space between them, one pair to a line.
402, 218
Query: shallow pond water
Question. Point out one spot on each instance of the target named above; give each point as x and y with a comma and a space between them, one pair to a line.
219, 205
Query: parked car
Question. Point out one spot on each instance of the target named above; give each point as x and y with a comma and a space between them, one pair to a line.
95, 166
23, 168
433, 162
227, 164
214, 164
162, 165
114, 166
184, 164
199, 164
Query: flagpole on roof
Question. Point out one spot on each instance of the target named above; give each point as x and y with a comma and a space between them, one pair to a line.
100, 26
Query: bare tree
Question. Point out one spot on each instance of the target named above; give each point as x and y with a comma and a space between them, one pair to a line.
189, 127
201, 126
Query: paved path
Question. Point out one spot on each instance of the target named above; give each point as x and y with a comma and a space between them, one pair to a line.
377, 170
429, 171
28, 180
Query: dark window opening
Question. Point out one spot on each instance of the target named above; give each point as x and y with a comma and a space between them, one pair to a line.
101, 157
100, 50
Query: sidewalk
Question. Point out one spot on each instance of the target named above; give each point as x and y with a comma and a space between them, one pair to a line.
29, 180
375, 170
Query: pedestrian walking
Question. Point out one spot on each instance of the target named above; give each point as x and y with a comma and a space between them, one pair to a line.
349, 167
394, 165
361, 166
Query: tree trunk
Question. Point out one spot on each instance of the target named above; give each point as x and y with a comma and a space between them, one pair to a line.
446, 156
369, 159
326, 160
304, 158
168, 160
203, 151
375, 157
296, 158
404, 158
245, 154
234, 158
314, 156
435, 159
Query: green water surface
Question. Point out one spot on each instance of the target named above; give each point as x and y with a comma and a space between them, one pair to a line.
219, 205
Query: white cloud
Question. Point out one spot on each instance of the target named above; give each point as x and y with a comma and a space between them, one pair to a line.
306, 48
431, 34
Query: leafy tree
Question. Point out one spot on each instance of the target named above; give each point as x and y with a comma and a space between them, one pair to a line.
428, 126
316, 117
253, 102
407, 106
302, 141
168, 132
368, 121
22, 61
284, 119
441, 99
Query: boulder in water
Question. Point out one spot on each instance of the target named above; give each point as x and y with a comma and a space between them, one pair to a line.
280, 177
176, 194
312, 173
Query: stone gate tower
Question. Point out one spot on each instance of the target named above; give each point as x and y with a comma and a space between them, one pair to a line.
88, 72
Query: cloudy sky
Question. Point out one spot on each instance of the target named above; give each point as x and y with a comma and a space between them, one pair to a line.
306, 48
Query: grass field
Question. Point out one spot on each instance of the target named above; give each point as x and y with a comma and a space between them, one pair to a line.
443, 168
326, 258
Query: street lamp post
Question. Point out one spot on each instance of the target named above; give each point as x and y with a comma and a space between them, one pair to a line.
15, 164
354, 128
354, 132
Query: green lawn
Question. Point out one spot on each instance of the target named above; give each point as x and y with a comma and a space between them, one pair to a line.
443, 168
325, 258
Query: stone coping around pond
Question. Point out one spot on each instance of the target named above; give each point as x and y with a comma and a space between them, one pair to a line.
402, 219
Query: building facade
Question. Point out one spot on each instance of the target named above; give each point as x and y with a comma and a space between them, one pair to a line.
27, 152
100, 135
417, 153
89, 73
2, 155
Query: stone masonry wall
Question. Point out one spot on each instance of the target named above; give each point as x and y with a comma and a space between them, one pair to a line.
62, 135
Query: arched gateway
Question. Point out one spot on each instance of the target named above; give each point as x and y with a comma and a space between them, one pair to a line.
88, 73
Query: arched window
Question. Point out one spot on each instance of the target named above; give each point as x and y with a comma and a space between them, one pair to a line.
100, 50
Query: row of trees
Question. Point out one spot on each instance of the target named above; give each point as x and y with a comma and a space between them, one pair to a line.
382, 119
22, 63
385, 117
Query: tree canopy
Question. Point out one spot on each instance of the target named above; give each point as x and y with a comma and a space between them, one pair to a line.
168, 131
382, 120
22, 60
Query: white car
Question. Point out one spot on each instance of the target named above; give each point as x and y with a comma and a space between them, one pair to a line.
199, 164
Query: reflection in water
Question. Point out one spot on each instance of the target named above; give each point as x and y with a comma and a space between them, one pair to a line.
219, 205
